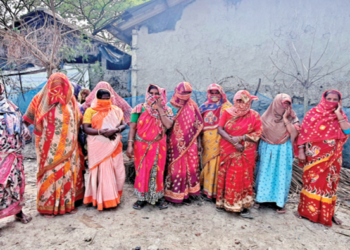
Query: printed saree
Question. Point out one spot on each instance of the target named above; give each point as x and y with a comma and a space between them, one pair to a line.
56, 118
211, 112
106, 179
321, 134
12, 178
236, 172
183, 170
150, 150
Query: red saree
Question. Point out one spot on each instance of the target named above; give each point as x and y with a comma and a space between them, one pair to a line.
236, 172
324, 140
183, 171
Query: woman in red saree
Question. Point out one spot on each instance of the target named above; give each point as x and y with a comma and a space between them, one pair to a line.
147, 141
323, 133
183, 170
103, 123
240, 128
56, 117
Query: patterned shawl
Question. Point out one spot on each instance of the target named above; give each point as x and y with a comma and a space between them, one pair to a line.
321, 123
12, 115
182, 95
241, 109
56, 90
115, 98
274, 129
188, 123
213, 108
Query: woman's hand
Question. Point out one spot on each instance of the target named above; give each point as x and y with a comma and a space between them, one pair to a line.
338, 110
26, 133
109, 132
287, 113
302, 156
234, 140
130, 152
159, 104
239, 147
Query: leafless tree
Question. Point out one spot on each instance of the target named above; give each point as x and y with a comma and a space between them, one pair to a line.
44, 42
304, 70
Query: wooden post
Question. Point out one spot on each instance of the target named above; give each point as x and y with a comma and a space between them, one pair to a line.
134, 64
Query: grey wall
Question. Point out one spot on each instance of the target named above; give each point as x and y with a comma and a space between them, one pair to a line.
231, 42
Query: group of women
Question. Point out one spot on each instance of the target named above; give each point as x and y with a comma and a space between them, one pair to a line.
180, 150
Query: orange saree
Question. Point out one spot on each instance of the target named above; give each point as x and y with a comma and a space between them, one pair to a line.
56, 118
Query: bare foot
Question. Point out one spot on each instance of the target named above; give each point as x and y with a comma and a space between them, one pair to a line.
336, 220
298, 215
23, 218
49, 216
74, 211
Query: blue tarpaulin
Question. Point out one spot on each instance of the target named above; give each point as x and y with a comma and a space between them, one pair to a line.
199, 97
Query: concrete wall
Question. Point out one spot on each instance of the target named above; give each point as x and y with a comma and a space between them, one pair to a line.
119, 79
232, 42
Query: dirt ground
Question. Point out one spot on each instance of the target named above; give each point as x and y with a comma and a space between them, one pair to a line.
197, 226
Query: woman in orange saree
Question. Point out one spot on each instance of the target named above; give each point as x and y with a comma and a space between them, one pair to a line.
103, 123
55, 114
147, 141
182, 179
323, 133
240, 128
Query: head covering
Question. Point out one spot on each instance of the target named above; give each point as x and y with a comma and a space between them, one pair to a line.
214, 101
77, 89
241, 109
83, 91
115, 98
12, 115
57, 90
274, 129
321, 123
150, 101
180, 97
213, 108
102, 104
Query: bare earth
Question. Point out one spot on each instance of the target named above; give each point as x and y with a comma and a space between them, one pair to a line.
197, 226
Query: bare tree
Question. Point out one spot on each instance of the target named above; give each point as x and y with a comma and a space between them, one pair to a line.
304, 71
43, 41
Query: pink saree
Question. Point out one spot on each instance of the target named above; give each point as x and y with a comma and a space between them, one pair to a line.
106, 167
183, 171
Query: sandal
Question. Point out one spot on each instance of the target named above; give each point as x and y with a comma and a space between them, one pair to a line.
23, 218
204, 197
281, 210
220, 209
138, 205
162, 205
256, 205
246, 214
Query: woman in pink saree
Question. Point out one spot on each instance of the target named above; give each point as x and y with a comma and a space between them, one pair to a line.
103, 123
147, 142
182, 179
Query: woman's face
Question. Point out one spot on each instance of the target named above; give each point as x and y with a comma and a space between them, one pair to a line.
286, 104
105, 97
154, 92
332, 98
214, 92
83, 96
239, 101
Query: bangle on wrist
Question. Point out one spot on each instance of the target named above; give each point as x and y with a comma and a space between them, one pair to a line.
342, 121
301, 146
287, 123
130, 140
98, 132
